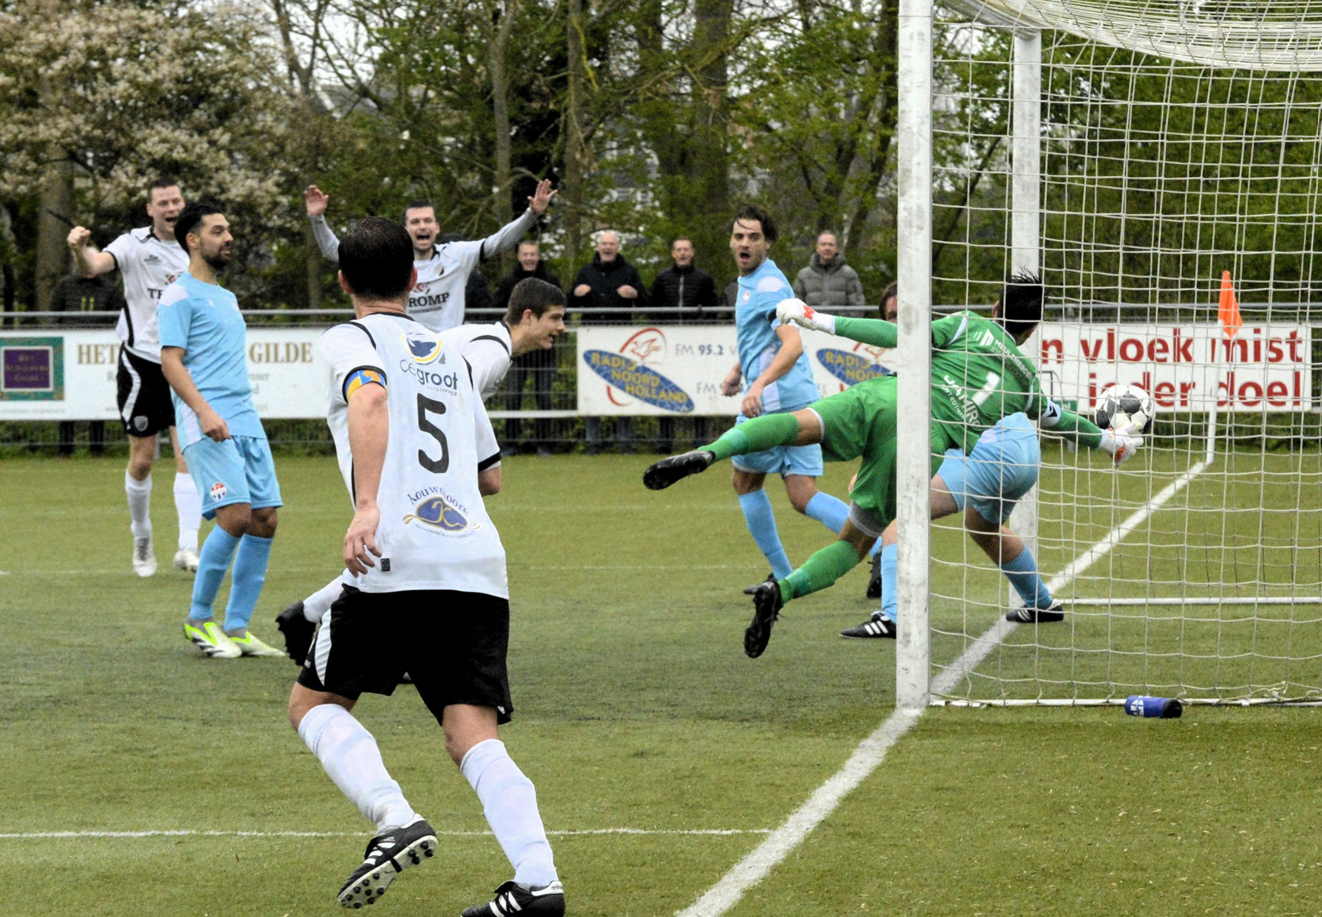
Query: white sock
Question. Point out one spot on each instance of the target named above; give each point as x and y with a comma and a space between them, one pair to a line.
349, 754
510, 804
188, 506
139, 494
317, 604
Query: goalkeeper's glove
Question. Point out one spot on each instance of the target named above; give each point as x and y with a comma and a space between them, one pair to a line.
1121, 444
800, 313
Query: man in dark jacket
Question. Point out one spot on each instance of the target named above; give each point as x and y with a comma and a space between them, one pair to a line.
827, 280
80, 297
608, 282
538, 365
683, 294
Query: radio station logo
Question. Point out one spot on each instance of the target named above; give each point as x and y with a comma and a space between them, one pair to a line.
628, 372
851, 367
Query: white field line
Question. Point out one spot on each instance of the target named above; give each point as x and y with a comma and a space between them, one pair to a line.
585, 832
328, 571
754, 868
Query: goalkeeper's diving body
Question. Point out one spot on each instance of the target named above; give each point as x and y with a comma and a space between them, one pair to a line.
978, 377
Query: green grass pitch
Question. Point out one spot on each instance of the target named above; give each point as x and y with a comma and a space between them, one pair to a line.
636, 712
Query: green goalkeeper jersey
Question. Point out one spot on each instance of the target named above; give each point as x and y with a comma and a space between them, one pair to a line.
978, 377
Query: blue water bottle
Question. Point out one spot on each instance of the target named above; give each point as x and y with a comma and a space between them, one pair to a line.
1168, 708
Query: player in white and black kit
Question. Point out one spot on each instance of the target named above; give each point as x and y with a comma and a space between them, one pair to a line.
534, 319
149, 259
425, 588
437, 300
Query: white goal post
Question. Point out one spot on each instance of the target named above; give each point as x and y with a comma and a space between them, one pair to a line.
1147, 157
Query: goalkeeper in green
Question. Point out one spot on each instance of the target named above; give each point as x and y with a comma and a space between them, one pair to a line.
978, 377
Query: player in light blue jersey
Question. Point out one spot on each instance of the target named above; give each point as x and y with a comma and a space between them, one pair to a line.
985, 486
203, 357
779, 379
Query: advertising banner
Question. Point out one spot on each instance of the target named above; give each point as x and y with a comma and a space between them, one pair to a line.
1264, 368
678, 369
49, 374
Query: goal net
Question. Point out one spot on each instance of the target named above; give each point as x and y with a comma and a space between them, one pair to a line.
1166, 180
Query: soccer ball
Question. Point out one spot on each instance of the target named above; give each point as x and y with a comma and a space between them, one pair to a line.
1119, 406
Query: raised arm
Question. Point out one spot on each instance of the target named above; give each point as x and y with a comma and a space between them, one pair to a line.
871, 331
90, 261
507, 237
316, 200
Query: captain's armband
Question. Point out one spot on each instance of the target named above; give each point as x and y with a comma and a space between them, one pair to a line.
360, 377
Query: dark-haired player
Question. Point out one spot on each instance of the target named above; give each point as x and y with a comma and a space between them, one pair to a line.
534, 319
978, 377
203, 357
149, 260
437, 299
778, 378
425, 587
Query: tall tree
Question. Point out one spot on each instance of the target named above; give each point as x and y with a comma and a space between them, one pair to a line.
108, 96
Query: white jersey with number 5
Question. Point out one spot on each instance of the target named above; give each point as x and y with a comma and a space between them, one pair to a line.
434, 531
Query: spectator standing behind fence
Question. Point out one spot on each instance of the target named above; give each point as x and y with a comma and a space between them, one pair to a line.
538, 365
79, 295
608, 282
683, 294
827, 280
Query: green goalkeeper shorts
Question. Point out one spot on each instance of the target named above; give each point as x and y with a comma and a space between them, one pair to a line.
860, 422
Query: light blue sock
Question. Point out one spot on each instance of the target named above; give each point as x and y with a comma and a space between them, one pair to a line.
832, 513
1022, 574
827, 510
890, 601
761, 521
249, 577
212, 562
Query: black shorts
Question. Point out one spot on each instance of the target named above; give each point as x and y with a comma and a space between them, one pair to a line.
452, 644
145, 407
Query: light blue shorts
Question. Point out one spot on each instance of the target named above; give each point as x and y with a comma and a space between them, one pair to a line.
781, 460
1001, 470
238, 470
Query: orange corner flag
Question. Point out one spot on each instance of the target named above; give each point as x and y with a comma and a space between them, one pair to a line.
1228, 310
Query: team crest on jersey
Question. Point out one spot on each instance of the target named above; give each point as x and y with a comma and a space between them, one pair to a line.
171, 278
218, 491
434, 510
423, 348
420, 287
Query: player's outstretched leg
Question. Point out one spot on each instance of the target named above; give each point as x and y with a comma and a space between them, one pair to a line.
662, 474
387, 855
756, 435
